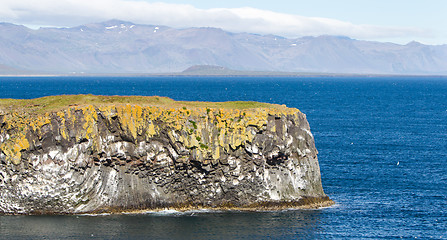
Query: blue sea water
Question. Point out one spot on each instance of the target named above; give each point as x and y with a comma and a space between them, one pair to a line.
382, 145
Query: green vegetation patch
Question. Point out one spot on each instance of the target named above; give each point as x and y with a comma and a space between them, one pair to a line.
203, 146
60, 102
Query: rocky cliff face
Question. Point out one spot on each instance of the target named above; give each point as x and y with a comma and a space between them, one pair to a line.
118, 157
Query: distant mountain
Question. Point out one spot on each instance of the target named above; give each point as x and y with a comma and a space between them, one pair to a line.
205, 69
115, 46
212, 70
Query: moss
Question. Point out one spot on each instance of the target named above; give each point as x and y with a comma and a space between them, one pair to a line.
203, 146
194, 124
57, 103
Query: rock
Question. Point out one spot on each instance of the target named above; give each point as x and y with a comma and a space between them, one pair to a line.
124, 157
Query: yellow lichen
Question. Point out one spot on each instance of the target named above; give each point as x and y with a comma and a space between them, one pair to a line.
12, 148
90, 118
209, 130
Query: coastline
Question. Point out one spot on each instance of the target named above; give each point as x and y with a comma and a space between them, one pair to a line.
305, 203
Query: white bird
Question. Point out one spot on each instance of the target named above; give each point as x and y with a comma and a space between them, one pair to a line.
397, 163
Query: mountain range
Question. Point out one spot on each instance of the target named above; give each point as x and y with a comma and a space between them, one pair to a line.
119, 47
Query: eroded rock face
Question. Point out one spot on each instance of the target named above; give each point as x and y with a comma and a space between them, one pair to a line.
127, 157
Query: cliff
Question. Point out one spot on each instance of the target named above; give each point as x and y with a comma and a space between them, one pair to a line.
84, 153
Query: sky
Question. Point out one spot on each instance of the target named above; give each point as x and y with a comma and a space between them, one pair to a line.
398, 21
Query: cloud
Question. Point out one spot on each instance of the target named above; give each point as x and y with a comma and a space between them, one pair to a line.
77, 12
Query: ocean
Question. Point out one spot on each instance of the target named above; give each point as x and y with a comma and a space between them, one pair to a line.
382, 145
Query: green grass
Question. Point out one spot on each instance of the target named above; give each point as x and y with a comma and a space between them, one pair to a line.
57, 103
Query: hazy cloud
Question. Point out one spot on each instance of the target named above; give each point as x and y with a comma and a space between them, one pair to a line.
76, 12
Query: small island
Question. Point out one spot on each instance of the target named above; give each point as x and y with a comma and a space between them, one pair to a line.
76, 154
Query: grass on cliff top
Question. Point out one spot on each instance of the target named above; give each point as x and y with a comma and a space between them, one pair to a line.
57, 103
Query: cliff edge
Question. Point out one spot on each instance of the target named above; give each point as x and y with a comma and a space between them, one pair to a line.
91, 154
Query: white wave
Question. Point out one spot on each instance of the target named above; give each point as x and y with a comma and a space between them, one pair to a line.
94, 214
